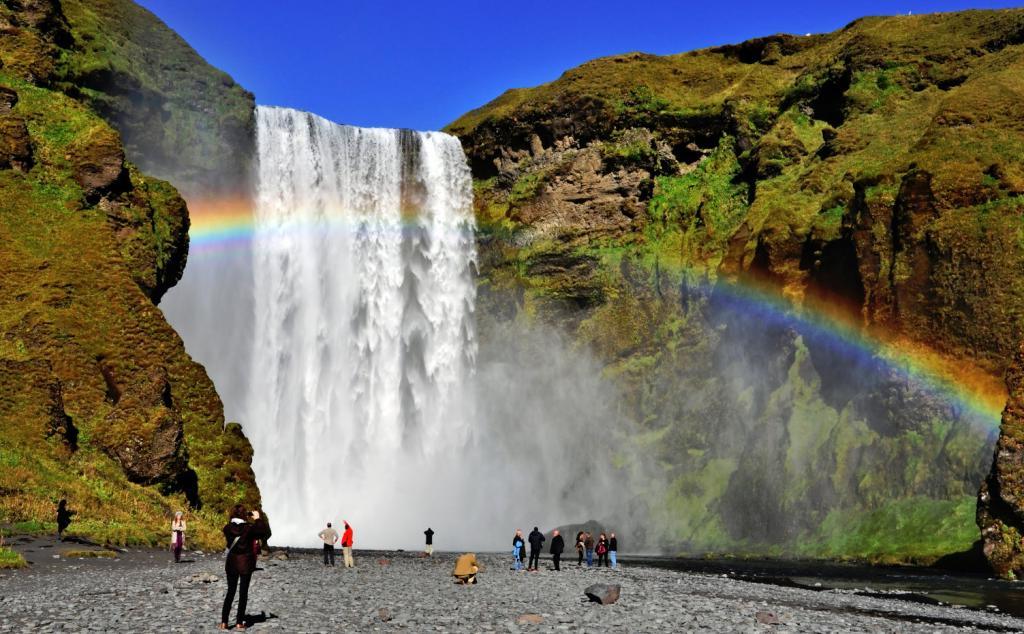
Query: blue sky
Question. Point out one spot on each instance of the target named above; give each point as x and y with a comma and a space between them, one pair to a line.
420, 64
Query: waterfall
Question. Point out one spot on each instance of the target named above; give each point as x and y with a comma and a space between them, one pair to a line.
364, 335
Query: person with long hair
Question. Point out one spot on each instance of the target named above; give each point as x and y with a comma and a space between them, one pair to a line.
243, 534
602, 550
178, 526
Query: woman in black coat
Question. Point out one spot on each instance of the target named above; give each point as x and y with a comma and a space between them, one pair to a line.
242, 538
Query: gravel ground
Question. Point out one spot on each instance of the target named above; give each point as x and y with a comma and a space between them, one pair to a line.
144, 591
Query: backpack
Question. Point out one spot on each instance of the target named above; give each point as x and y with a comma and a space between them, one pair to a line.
601, 548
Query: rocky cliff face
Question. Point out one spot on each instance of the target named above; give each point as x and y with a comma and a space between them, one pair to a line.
180, 118
871, 176
1001, 501
100, 402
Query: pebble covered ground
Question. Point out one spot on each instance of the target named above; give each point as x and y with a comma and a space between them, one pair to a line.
143, 591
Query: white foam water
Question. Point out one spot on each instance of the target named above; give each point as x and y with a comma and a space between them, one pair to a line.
364, 335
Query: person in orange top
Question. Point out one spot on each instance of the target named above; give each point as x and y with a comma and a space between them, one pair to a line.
346, 546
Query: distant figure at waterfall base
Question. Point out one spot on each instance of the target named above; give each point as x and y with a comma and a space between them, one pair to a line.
536, 548
330, 538
346, 546
557, 546
429, 550
178, 528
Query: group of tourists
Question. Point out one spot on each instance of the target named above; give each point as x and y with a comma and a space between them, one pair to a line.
606, 549
329, 536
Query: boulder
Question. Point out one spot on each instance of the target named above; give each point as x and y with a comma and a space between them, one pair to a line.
603, 593
764, 617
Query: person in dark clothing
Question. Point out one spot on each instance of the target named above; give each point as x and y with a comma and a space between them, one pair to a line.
613, 550
557, 546
579, 548
536, 548
430, 541
602, 551
242, 538
588, 545
63, 518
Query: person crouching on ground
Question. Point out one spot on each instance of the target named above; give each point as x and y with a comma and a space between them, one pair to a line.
466, 569
243, 538
557, 546
178, 535
330, 537
346, 545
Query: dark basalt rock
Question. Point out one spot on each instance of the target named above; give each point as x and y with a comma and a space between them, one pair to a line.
1000, 513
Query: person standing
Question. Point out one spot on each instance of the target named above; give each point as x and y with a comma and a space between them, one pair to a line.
346, 546
602, 550
63, 518
588, 545
430, 541
536, 548
518, 549
579, 548
613, 549
178, 527
330, 538
557, 546
242, 534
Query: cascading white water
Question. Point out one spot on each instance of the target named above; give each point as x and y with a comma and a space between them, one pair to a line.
364, 336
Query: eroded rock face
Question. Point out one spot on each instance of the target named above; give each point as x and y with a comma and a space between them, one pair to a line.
8, 99
143, 431
15, 144
90, 247
98, 164
32, 392
1001, 500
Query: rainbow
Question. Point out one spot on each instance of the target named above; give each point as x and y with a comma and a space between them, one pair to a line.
227, 224
971, 392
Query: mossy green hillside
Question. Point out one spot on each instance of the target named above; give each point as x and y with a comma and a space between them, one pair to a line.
181, 119
872, 172
100, 403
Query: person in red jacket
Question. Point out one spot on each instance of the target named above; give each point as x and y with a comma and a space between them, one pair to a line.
346, 545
